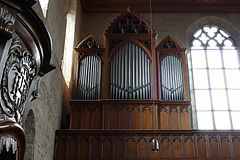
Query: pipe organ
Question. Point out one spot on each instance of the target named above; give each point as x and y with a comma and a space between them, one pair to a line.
172, 65
131, 92
171, 79
89, 77
130, 73
89, 69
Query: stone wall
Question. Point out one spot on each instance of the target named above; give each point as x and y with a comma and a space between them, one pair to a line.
47, 108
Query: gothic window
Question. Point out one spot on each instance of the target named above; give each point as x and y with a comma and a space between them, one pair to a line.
89, 69
171, 67
214, 66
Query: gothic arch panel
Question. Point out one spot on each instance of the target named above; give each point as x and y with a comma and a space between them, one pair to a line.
89, 69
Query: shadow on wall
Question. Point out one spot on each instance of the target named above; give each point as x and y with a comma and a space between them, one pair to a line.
30, 135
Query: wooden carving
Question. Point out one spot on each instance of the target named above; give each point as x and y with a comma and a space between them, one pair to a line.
25, 52
19, 70
129, 23
13, 129
7, 20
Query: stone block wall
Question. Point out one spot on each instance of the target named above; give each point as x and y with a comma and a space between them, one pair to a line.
47, 108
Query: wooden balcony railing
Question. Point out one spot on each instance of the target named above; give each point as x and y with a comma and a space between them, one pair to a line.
130, 114
135, 144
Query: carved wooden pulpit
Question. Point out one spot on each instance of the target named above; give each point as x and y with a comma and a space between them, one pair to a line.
25, 52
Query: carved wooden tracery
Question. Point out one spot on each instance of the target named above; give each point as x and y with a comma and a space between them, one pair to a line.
129, 23
25, 52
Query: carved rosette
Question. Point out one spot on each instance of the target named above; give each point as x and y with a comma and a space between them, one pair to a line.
7, 20
19, 70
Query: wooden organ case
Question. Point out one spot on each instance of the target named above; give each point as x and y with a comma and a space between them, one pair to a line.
25, 52
132, 92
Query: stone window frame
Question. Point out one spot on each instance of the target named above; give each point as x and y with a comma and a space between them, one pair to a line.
214, 21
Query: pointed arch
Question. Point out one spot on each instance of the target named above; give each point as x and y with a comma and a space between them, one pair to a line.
89, 42
89, 68
172, 70
213, 60
169, 43
133, 42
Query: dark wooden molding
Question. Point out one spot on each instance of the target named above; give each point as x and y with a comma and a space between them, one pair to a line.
37, 30
89, 50
112, 132
163, 6
14, 130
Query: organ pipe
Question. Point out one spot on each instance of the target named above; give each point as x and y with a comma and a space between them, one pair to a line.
89, 78
172, 87
130, 73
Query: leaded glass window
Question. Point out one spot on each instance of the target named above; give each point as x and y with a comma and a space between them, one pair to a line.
215, 74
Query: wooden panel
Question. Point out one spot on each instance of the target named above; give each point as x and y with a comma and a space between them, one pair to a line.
84, 148
111, 119
142, 147
185, 120
225, 148
201, 147
72, 145
177, 147
147, 118
213, 147
165, 148
174, 118
163, 118
236, 146
96, 118
189, 150
131, 150
107, 148
96, 147
124, 118
75, 120
60, 148
136, 114
119, 148
86, 118
135, 144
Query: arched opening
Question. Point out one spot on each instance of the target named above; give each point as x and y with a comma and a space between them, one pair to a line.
30, 135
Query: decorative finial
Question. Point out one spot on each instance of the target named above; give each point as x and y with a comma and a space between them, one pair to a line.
129, 9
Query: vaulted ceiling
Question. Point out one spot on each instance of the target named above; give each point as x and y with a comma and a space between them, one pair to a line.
163, 6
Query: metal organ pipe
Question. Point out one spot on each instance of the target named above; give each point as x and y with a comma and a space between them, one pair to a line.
89, 78
130, 73
171, 79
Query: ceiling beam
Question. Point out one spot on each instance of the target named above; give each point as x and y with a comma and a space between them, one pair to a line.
162, 6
